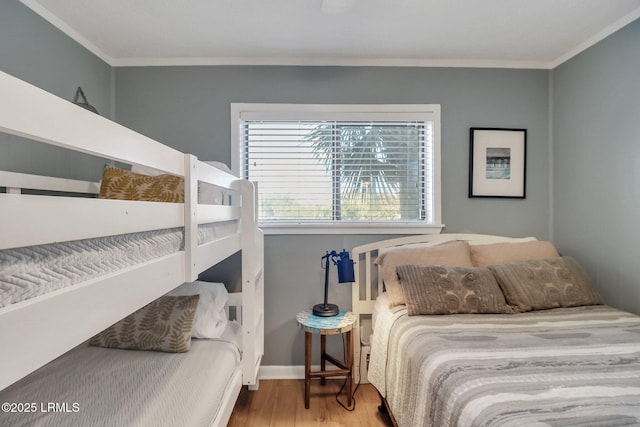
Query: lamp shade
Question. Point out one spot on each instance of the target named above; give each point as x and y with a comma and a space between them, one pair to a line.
346, 272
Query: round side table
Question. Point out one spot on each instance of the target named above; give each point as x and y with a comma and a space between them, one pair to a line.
342, 323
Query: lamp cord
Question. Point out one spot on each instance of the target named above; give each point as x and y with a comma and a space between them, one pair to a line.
353, 395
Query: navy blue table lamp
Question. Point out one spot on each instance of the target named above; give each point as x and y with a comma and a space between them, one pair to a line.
346, 274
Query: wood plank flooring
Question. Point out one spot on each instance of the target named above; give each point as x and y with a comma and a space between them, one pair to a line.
281, 403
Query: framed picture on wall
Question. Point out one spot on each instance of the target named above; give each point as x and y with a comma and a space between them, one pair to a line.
498, 163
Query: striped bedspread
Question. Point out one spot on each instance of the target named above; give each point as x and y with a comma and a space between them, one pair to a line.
561, 367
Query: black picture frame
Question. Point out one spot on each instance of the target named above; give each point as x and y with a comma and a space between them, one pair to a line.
497, 163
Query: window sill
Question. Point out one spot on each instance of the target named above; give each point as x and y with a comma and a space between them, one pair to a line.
350, 228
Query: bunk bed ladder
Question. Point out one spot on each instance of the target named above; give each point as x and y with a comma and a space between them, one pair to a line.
252, 243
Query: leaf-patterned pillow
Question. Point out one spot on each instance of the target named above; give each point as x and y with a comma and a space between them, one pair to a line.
163, 325
122, 184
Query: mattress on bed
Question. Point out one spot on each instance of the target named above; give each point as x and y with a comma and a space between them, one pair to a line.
560, 367
36, 270
95, 386
216, 230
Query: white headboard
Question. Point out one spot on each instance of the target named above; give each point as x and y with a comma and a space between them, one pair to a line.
368, 284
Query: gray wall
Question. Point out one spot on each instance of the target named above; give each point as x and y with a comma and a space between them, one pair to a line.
35, 51
188, 108
596, 158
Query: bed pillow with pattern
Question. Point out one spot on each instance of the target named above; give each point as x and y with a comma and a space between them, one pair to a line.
121, 184
454, 254
162, 325
545, 283
436, 289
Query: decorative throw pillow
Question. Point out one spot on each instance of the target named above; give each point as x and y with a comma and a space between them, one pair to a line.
545, 283
207, 193
500, 253
122, 184
435, 289
455, 254
163, 325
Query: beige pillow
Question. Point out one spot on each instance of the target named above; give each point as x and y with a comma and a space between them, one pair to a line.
454, 254
434, 289
545, 283
121, 184
500, 253
163, 325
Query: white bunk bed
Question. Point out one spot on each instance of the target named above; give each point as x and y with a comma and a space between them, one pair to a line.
35, 331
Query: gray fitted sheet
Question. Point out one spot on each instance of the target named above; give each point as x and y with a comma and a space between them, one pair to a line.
110, 387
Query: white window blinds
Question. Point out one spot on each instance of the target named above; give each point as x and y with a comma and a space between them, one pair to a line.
340, 169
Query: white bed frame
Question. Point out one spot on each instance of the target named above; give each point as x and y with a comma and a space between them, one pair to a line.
36, 331
368, 284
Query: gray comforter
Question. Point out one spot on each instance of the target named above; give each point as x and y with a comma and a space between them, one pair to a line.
562, 367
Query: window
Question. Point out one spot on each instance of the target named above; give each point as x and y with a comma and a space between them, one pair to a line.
340, 168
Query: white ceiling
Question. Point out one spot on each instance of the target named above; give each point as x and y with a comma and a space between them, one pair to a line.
487, 33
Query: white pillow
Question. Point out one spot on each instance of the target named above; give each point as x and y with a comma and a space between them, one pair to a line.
220, 165
145, 170
210, 194
211, 318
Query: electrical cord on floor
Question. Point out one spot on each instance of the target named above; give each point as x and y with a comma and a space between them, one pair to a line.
353, 395
353, 398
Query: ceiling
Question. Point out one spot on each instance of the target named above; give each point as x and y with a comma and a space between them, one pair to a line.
474, 33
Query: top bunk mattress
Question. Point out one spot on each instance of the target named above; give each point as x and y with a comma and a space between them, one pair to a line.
32, 271
108, 387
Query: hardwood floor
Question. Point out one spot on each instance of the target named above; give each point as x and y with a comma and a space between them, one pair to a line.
281, 403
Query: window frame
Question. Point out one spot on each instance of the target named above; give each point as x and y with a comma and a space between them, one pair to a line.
241, 112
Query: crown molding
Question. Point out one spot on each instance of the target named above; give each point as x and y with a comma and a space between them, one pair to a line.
328, 61
341, 61
68, 30
599, 36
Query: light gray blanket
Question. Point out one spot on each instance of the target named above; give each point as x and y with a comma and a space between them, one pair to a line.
562, 367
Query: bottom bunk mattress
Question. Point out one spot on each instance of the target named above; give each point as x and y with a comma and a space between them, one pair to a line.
559, 367
92, 386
